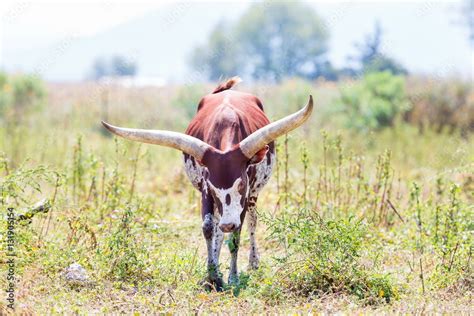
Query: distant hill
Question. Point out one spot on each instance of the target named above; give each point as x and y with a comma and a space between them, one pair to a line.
160, 42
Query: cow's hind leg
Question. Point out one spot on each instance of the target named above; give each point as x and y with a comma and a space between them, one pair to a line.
234, 242
254, 257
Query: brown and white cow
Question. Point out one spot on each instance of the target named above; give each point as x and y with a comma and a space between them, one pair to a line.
229, 155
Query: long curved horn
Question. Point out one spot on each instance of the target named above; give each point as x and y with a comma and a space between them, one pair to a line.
258, 139
188, 144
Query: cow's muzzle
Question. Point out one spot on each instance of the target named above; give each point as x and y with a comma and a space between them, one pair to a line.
228, 228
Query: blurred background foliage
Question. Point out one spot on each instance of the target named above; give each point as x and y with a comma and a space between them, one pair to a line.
20, 94
271, 42
374, 102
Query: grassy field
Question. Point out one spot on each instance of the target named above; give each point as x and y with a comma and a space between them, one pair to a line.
357, 221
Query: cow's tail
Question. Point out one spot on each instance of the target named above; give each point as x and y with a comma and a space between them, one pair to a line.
227, 84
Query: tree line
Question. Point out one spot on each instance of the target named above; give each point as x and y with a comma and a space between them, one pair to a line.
274, 40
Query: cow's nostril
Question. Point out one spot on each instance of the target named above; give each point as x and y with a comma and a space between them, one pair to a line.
227, 228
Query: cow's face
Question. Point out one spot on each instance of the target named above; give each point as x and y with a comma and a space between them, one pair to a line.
229, 184
230, 202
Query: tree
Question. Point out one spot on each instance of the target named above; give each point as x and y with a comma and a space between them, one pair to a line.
370, 48
272, 40
220, 56
113, 66
382, 63
283, 39
468, 17
123, 67
99, 68
371, 58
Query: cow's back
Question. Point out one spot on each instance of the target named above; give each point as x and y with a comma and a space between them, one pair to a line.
227, 117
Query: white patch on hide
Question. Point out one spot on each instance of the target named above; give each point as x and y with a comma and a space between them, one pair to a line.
262, 174
230, 212
195, 173
217, 238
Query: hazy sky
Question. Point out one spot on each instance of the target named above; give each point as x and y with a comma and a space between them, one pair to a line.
425, 36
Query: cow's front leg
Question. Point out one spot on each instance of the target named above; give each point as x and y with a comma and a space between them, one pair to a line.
252, 225
218, 237
234, 242
213, 236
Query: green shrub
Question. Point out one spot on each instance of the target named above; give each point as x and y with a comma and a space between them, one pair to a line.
28, 90
440, 237
374, 102
5, 93
323, 256
19, 94
122, 253
20, 188
22, 185
441, 105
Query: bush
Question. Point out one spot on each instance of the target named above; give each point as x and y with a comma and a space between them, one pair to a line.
323, 256
19, 94
123, 253
441, 105
374, 102
19, 188
446, 234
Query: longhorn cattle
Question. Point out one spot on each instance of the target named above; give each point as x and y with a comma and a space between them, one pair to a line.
229, 155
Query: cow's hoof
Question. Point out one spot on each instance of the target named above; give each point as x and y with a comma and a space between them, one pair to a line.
254, 263
213, 285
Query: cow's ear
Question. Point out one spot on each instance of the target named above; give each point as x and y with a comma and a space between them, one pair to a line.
259, 156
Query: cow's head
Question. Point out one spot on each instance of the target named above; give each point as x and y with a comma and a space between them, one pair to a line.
228, 182
226, 172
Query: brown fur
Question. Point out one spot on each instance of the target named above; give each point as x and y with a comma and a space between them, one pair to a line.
223, 120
